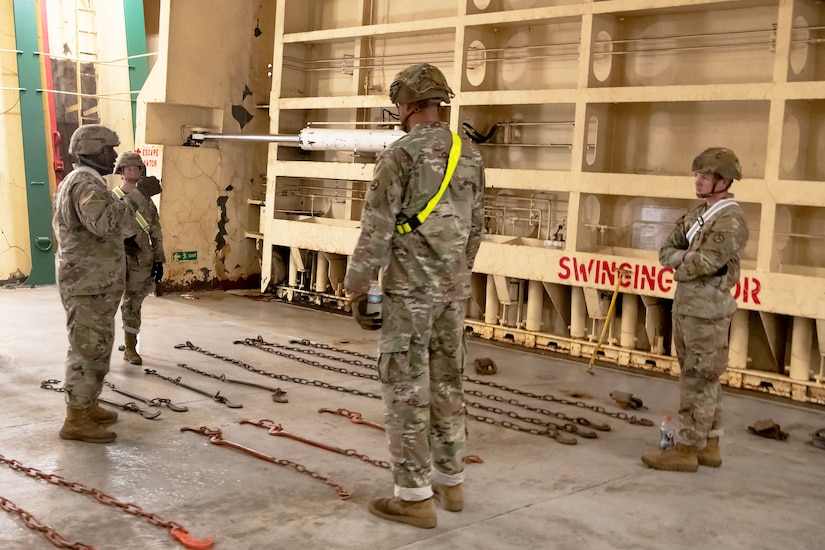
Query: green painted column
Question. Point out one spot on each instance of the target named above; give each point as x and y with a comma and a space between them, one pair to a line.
135, 45
35, 157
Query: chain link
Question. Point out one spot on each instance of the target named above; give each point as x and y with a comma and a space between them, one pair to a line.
259, 343
34, 524
131, 406
317, 383
216, 438
278, 430
99, 495
218, 398
310, 343
542, 397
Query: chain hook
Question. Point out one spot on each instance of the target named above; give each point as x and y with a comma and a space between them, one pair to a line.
182, 536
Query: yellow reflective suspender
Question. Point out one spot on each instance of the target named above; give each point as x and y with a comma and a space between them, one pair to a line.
411, 223
144, 225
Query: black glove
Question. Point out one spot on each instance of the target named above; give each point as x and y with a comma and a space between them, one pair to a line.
131, 246
149, 186
157, 271
367, 321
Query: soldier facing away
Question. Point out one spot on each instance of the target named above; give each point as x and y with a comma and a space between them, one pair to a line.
703, 250
144, 251
421, 227
89, 225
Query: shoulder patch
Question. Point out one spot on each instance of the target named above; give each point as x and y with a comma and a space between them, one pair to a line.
718, 238
374, 185
87, 198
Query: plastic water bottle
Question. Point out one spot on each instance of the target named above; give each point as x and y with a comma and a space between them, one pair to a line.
374, 299
666, 430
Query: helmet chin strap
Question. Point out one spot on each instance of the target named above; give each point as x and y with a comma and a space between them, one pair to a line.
88, 160
713, 191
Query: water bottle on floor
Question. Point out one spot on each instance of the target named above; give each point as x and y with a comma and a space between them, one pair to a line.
666, 431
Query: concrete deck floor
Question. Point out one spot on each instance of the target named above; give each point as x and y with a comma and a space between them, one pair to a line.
530, 491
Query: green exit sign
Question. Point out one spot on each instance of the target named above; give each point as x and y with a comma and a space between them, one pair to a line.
187, 256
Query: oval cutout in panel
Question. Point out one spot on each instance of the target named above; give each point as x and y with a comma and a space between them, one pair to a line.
476, 62
790, 144
800, 35
602, 56
591, 140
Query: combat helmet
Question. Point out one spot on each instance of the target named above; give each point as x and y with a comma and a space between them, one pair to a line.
718, 160
419, 82
91, 139
128, 158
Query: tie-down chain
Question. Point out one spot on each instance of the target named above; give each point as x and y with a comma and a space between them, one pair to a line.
34, 524
542, 397
175, 529
131, 406
216, 438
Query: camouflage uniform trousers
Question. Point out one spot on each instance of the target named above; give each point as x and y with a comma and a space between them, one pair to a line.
702, 350
90, 323
139, 284
420, 366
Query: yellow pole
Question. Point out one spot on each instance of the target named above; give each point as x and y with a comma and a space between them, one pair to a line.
619, 274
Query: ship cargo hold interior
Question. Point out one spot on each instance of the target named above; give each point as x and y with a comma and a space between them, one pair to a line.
263, 120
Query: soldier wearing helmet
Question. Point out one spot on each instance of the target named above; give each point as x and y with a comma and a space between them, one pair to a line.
703, 251
144, 251
421, 228
94, 145
89, 225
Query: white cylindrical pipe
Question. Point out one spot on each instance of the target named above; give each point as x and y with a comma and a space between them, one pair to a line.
293, 268
337, 139
321, 273
739, 334
630, 314
535, 303
491, 304
578, 313
801, 339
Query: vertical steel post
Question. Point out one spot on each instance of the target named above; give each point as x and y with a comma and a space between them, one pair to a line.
35, 156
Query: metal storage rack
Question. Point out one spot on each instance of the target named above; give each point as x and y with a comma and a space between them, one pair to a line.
598, 108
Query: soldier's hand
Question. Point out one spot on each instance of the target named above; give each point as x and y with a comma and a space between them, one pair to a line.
149, 186
131, 246
157, 271
676, 259
367, 321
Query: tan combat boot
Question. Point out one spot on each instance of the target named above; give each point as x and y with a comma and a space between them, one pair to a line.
416, 513
130, 354
451, 498
80, 426
710, 456
101, 416
681, 458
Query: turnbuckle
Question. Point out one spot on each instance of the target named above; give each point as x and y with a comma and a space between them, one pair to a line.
156, 402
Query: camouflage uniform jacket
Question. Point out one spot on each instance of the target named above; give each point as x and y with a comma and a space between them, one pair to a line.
88, 224
436, 259
706, 277
151, 244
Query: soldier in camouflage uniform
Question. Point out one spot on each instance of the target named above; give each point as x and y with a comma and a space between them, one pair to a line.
426, 283
703, 251
144, 251
89, 226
